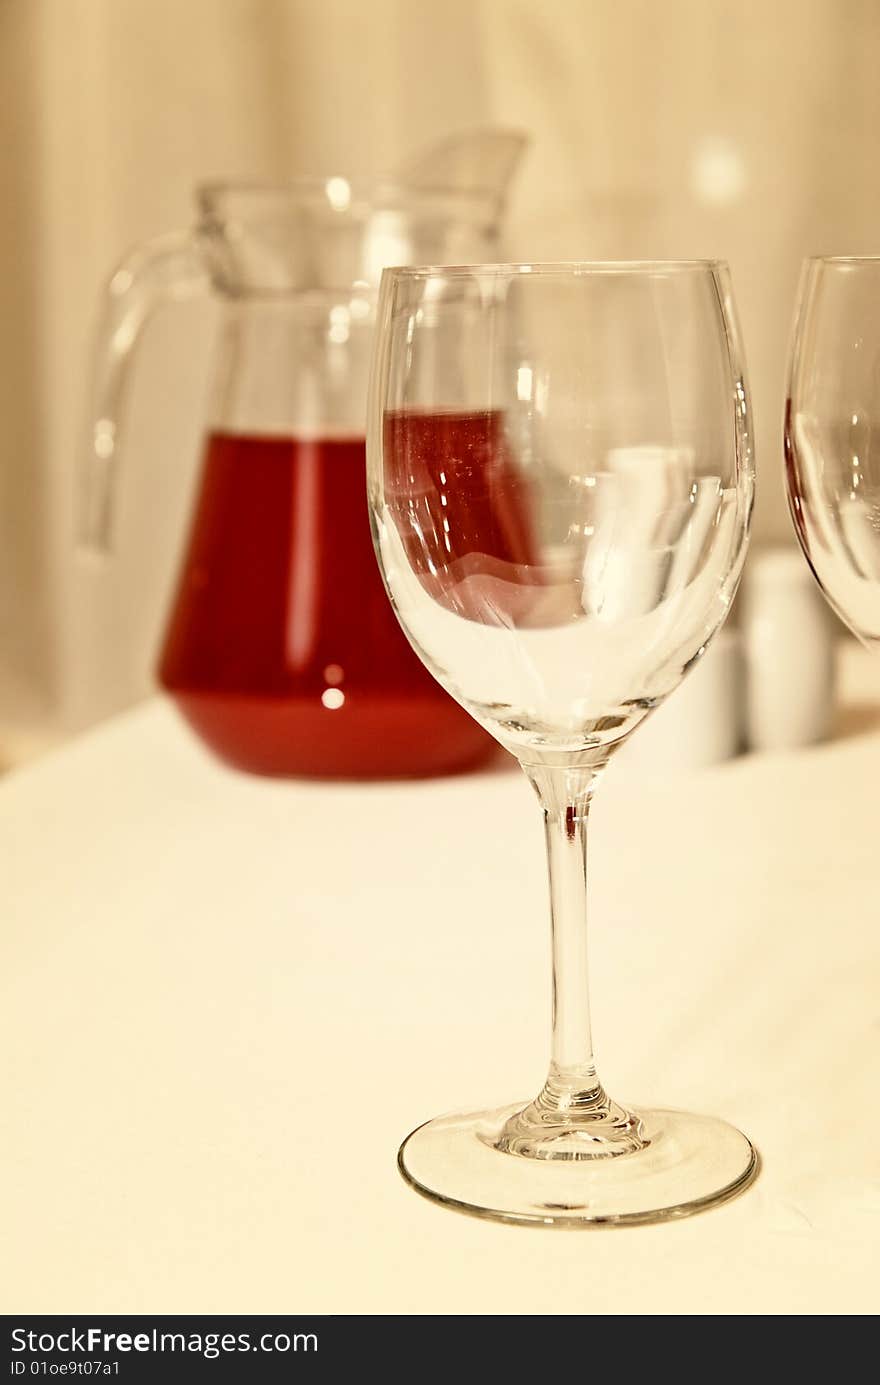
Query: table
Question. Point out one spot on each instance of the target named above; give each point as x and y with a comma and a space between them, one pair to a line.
226, 1000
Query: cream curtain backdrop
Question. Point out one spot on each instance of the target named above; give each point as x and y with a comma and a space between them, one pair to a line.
726, 128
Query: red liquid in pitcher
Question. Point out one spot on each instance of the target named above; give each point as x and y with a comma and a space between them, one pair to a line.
283, 651
462, 508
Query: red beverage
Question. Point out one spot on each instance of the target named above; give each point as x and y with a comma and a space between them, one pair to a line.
283, 651
455, 489
462, 507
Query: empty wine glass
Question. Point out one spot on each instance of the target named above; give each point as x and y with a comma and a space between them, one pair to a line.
832, 435
560, 482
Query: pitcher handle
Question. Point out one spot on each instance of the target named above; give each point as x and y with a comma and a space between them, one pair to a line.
169, 269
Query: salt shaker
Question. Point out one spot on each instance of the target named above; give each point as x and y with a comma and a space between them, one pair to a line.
789, 652
701, 724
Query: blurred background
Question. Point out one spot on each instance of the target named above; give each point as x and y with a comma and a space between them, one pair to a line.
728, 128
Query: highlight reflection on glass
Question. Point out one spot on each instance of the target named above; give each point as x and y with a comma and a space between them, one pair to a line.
832, 435
560, 483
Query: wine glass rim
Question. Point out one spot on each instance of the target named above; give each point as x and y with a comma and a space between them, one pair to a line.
572, 268
843, 260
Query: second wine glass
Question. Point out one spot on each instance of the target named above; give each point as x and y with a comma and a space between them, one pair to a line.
560, 482
832, 435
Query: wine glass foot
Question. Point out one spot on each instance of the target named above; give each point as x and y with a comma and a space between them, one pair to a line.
566, 1124
681, 1164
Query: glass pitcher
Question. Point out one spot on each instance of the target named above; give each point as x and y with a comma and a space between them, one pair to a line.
282, 650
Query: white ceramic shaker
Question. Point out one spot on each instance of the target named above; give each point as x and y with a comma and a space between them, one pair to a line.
700, 724
788, 642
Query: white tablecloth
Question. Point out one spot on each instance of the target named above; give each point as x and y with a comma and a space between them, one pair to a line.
227, 999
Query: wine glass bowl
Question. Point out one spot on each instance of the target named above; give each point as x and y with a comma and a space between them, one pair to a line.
832, 435
560, 481
559, 544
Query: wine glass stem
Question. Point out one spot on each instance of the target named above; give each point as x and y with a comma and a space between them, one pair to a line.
564, 797
572, 1117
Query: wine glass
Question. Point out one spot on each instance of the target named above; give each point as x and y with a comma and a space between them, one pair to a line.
832, 435
560, 483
